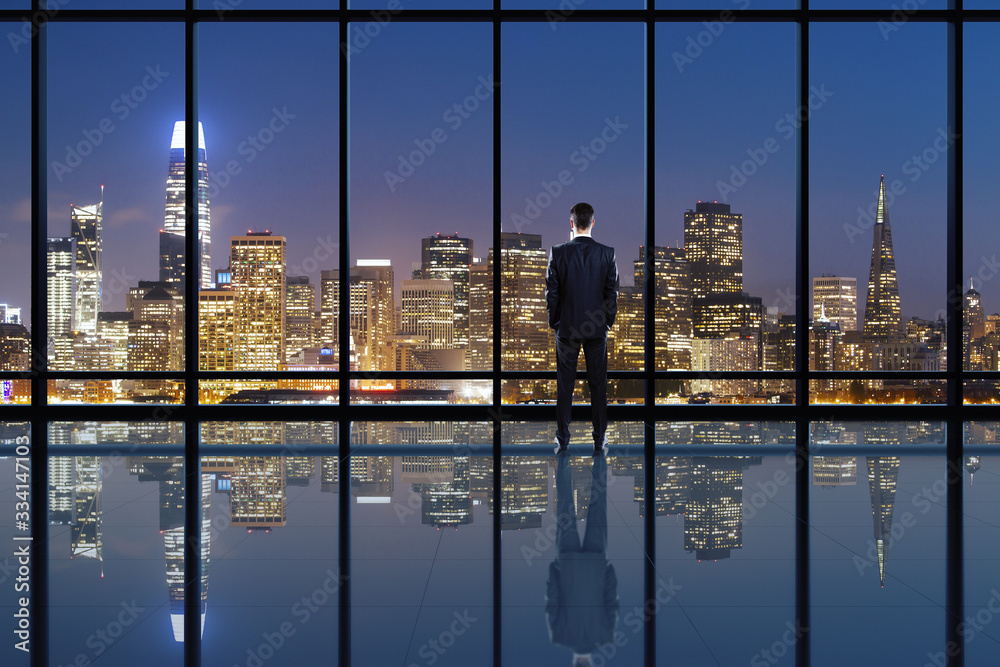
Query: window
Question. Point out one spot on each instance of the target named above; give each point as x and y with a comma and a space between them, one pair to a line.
188, 387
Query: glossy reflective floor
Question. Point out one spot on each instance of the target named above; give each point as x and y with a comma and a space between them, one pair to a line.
572, 556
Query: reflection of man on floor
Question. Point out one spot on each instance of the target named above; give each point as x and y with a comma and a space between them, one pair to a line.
582, 591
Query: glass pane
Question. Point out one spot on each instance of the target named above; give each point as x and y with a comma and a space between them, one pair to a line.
734, 519
882, 391
421, 287
150, 392
725, 208
110, 132
981, 306
552, 160
825, 435
116, 526
274, 573
882, 586
270, 120
878, 152
15, 216
555, 573
979, 502
982, 433
437, 596
128, 436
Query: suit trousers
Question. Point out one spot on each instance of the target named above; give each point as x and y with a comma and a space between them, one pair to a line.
595, 352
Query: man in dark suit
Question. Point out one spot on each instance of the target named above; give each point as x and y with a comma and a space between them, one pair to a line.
581, 295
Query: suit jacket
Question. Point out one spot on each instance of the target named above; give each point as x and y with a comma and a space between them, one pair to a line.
581, 288
581, 601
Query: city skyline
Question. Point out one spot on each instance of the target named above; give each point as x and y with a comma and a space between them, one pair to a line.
240, 191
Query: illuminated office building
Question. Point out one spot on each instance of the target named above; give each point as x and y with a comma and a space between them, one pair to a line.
713, 247
836, 297
447, 503
62, 488
524, 492
10, 314
626, 349
86, 533
136, 293
973, 326
60, 270
373, 312
713, 514
672, 486
738, 351
217, 330
429, 310
112, 328
834, 470
300, 302
15, 347
882, 321
450, 258
86, 229
173, 233
481, 314
717, 315
671, 305
524, 323
257, 262
155, 335
823, 337
257, 493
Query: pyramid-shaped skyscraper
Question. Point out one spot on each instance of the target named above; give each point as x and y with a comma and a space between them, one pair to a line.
883, 322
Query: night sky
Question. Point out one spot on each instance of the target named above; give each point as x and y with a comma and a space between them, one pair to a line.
561, 88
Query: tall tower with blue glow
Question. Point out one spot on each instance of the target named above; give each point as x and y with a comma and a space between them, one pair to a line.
172, 234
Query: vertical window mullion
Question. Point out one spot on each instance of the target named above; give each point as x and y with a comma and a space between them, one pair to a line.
649, 345
192, 462
954, 558
344, 354
497, 337
39, 578
802, 425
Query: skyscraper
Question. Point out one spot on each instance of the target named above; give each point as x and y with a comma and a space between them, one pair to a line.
883, 322
429, 310
481, 314
216, 330
60, 270
373, 312
713, 247
257, 261
671, 305
449, 258
85, 228
524, 323
300, 302
713, 514
883, 472
837, 298
172, 234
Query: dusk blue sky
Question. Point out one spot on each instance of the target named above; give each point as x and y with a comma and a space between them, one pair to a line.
560, 86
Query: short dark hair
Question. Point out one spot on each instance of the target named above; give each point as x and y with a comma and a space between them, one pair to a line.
582, 214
